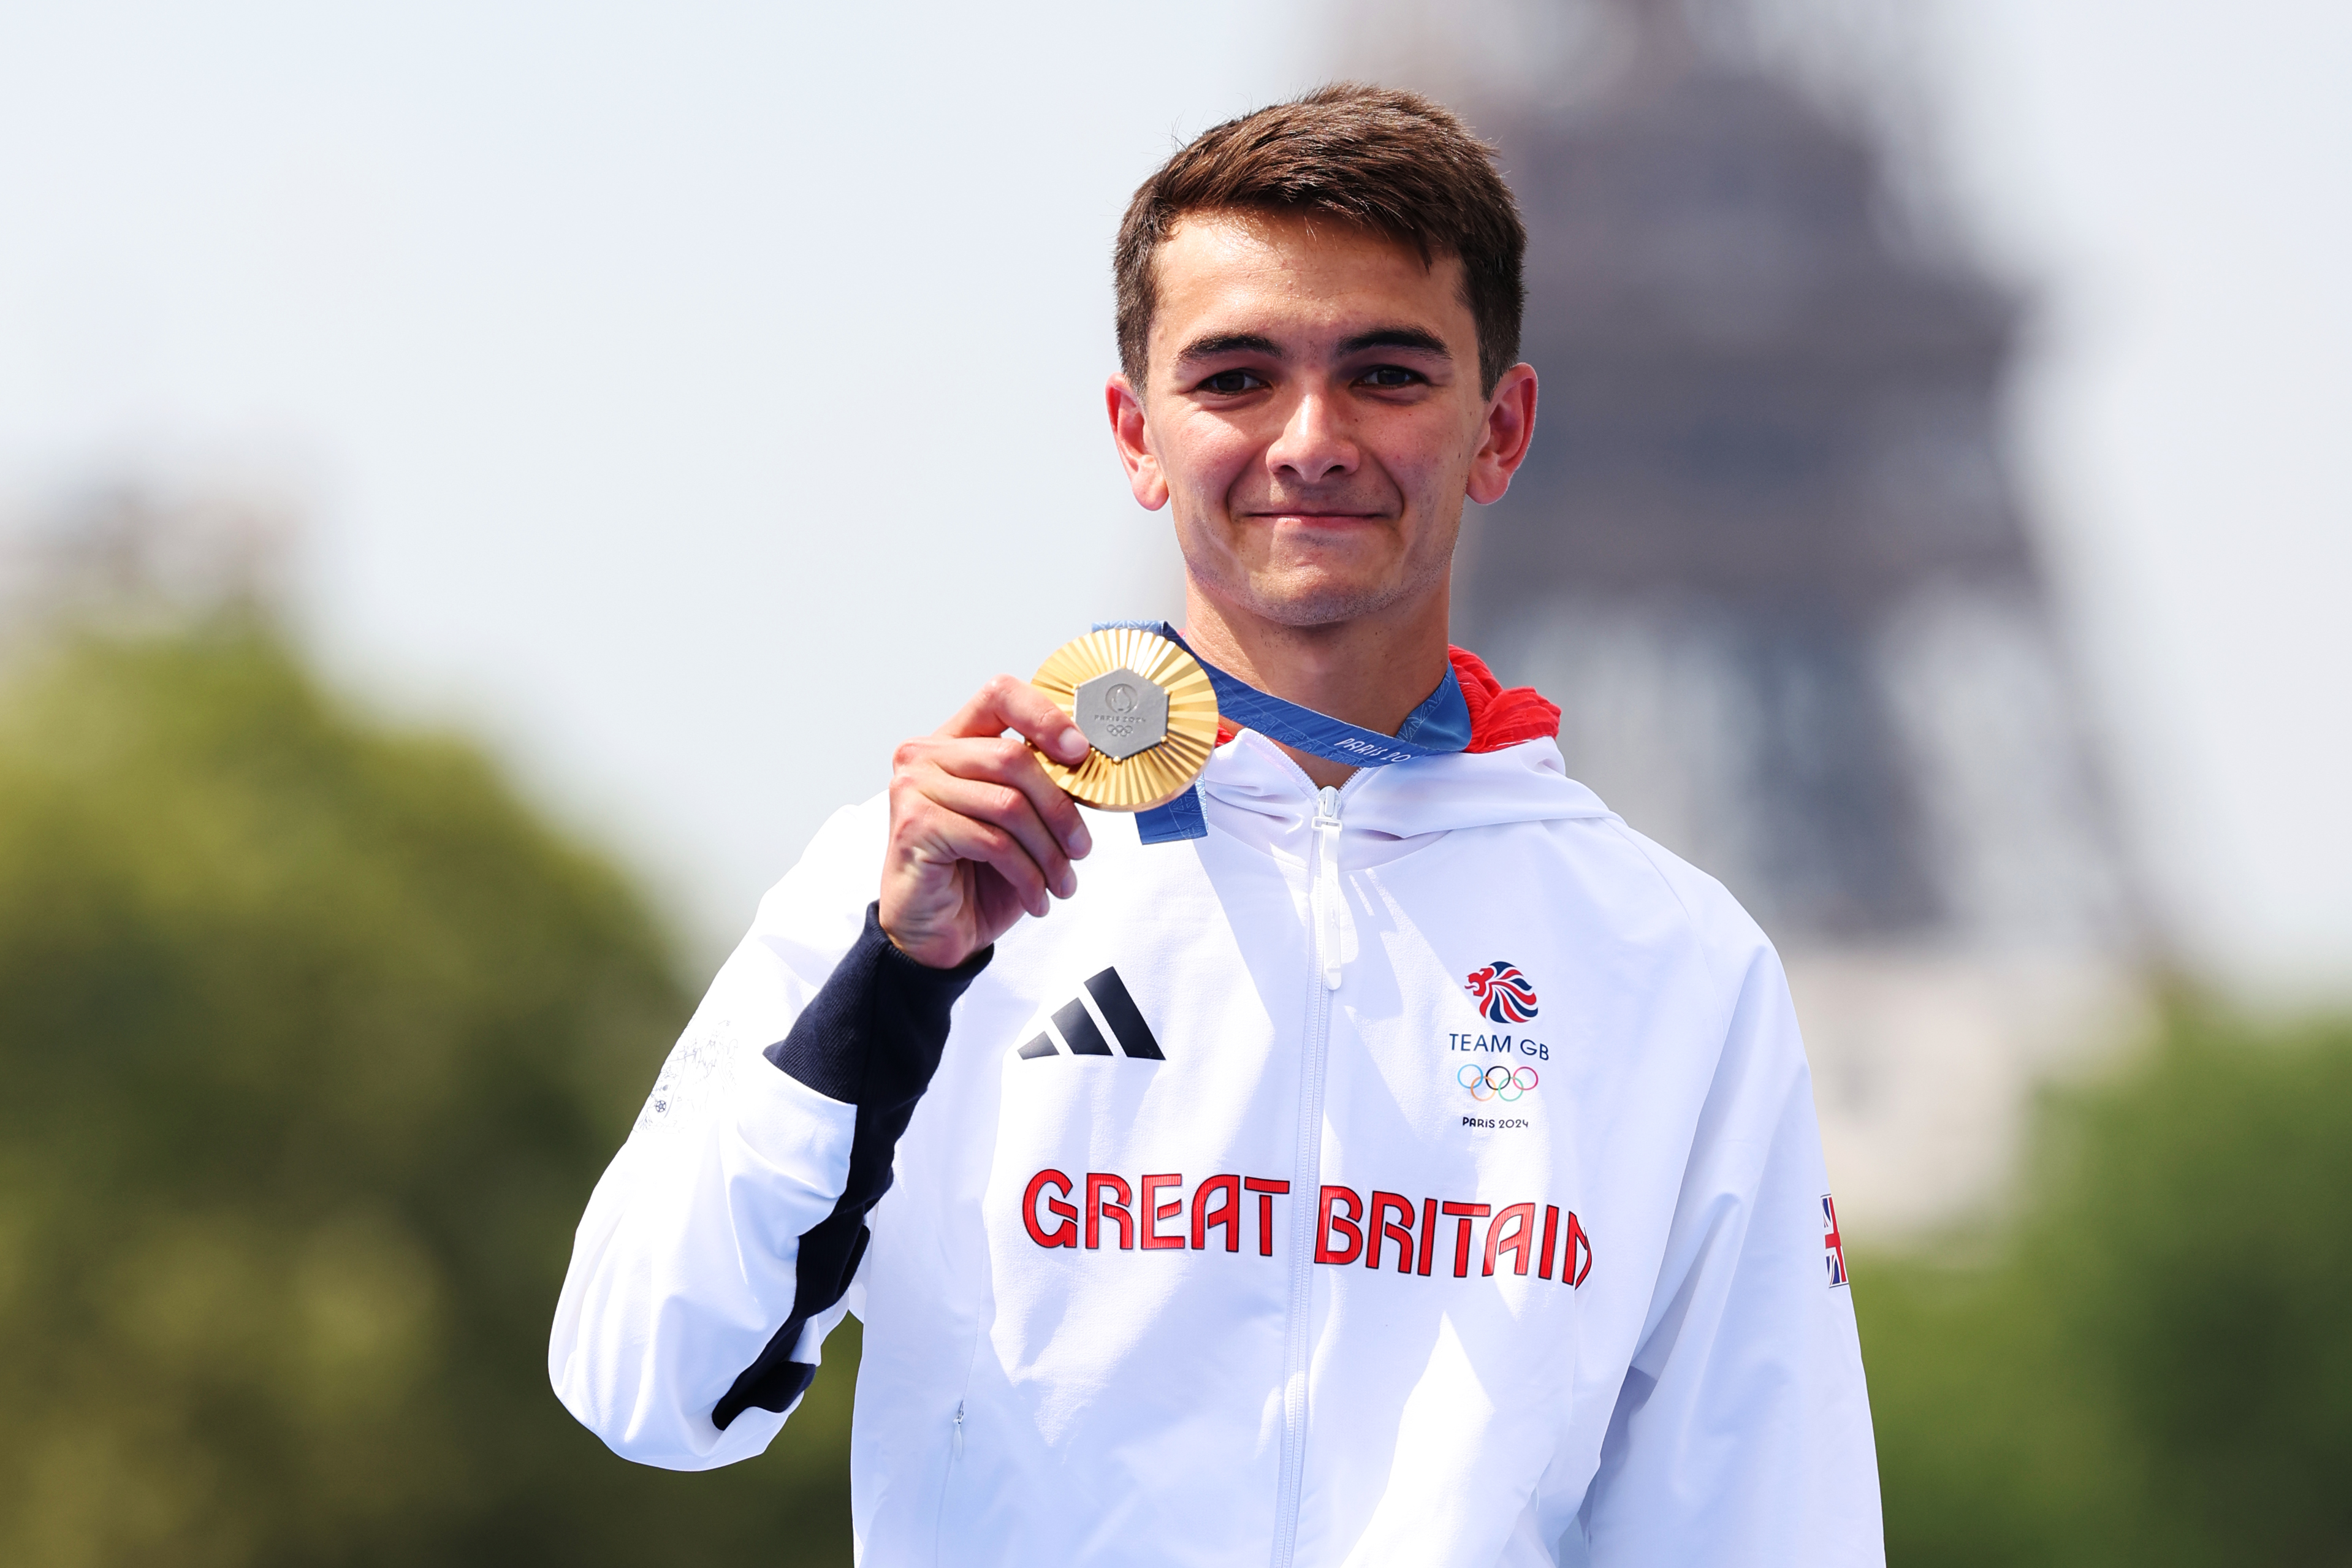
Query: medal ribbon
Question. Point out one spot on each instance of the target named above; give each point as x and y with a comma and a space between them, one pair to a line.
1439, 727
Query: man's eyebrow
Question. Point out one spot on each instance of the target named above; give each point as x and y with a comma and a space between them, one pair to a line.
1217, 343
1419, 337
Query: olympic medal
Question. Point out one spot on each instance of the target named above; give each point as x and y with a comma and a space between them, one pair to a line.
1144, 705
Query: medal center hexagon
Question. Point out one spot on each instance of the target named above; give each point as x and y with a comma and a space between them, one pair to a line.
1121, 713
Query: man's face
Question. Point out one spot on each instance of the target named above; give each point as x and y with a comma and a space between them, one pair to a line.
1313, 416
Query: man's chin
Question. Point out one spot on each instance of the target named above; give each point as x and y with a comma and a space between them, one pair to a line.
1317, 599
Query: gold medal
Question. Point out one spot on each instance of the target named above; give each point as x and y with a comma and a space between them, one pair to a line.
1146, 707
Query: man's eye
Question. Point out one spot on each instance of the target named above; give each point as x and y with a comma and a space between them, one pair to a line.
1390, 375
1232, 381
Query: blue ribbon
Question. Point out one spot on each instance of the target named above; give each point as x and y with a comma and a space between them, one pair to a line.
1438, 727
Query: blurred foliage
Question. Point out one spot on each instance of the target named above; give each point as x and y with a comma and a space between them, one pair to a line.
2154, 1365
315, 1040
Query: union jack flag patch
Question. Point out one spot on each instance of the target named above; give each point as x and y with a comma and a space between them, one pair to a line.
1833, 1244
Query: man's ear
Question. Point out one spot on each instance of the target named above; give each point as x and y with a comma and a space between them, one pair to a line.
1127, 434
1510, 427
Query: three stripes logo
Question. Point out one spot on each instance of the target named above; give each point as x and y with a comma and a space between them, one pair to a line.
1503, 993
1113, 1026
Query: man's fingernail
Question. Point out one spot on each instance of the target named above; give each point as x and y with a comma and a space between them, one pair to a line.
1069, 884
1074, 745
1081, 841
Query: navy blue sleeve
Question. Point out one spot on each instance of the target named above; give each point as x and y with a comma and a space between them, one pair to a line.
870, 1037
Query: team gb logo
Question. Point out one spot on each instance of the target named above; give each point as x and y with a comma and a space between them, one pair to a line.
1503, 994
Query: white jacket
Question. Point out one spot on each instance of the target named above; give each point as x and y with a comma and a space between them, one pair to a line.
1213, 1239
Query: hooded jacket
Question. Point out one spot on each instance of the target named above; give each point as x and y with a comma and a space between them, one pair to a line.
1420, 1172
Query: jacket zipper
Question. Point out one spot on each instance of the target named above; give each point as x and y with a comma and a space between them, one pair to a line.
1324, 915
955, 1458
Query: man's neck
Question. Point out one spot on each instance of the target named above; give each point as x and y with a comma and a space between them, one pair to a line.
1371, 671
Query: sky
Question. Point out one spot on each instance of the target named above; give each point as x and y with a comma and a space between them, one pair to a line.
693, 401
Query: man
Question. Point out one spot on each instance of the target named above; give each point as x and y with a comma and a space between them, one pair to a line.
1403, 1163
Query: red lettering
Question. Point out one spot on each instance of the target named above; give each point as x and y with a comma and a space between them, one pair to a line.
1153, 1212
1467, 1212
1063, 1235
1521, 1218
1266, 1188
1349, 1225
1097, 1183
1380, 1229
1227, 1214
1328, 1222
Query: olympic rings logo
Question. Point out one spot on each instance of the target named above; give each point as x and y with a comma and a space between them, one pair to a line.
1496, 1082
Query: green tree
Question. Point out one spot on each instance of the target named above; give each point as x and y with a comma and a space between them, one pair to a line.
314, 1040
2154, 1364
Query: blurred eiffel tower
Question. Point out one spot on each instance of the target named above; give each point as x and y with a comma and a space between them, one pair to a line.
1766, 556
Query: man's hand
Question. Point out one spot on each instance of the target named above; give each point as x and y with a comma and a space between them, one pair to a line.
978, 833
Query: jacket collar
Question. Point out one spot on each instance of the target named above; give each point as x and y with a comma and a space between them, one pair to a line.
1249, 777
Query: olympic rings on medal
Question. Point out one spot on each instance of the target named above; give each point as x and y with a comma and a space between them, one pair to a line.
1496, 1082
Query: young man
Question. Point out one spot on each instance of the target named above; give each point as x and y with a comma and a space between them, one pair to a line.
1411, 1165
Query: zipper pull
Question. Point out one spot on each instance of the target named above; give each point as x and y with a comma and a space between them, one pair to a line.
959, 1429
1326, 884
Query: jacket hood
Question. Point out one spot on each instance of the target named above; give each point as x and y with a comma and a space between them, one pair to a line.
1251, 778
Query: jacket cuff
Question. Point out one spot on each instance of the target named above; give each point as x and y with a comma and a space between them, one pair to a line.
873, 1033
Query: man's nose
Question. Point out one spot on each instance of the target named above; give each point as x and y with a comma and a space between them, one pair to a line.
1315, 442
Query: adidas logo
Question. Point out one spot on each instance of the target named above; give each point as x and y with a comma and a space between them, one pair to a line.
1112, 1026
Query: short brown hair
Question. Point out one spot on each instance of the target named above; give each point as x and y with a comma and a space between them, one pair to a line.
1381, 159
